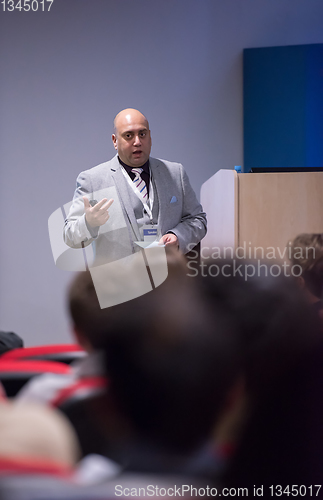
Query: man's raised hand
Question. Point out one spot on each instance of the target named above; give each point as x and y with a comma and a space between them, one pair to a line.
97, 215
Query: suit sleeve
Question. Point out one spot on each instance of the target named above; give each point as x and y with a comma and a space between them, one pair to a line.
192, 227
76, 230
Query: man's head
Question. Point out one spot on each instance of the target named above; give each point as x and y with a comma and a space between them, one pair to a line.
170, 363
281, 346
131, 137
307, 252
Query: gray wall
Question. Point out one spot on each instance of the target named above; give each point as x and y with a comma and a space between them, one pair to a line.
66, 73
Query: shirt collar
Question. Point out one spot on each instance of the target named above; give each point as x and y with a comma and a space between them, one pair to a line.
145, 166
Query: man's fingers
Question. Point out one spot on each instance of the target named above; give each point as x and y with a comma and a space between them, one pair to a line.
104, 203
86, 202
109, 203
99, 205
169, 239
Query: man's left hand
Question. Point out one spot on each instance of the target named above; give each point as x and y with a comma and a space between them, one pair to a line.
169, 239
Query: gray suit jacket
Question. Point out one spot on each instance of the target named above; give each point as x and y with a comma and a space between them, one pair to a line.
179, 210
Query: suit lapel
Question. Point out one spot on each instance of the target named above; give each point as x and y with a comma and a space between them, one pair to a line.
161, 188
122, 188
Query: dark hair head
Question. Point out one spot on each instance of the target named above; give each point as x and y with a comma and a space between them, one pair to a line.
169, 362
282, 350
307, 252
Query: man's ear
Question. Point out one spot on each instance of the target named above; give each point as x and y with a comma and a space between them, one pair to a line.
77, 335
80, 339
115, 142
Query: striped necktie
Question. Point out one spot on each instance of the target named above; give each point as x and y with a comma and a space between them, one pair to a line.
140, 184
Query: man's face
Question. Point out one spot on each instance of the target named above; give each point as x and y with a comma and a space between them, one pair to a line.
132, 138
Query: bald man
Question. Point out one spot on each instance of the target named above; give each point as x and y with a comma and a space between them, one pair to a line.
133, 198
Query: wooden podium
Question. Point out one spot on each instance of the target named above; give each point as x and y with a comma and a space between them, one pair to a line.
258, 211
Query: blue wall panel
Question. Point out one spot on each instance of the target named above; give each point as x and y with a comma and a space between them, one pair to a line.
283, 107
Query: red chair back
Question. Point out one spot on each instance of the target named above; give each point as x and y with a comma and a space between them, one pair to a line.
81, 403
14, 374
64, 353
31, 465
82, 389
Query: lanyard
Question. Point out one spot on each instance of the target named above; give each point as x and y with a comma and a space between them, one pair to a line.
147, 206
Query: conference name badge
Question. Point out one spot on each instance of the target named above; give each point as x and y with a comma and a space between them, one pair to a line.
150, 232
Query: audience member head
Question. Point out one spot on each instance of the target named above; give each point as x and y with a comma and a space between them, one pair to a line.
306, 251
282, 438
169, 362
35, 435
